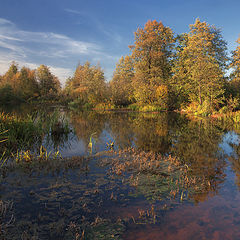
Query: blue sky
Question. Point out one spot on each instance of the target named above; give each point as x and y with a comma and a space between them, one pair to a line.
62, 33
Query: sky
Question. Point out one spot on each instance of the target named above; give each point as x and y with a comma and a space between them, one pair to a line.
63, 33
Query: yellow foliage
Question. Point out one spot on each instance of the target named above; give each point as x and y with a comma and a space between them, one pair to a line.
162, 92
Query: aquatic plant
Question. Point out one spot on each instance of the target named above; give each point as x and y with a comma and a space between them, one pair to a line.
28, 156
22, 133
148, 216
53, 123
91, 142
4, 139
6, 217
2, 159
155, 176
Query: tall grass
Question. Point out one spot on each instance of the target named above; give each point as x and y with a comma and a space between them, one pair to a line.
29, 157
21, 133
20, 137
2, 159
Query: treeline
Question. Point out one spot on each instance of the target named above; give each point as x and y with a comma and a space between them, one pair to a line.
166, 72
163, 72
28, 85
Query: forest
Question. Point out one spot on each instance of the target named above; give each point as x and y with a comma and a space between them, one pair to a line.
191, 72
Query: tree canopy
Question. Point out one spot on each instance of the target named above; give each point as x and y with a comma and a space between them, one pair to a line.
88, 84
152, 55
200, 64
163, 71
26, 84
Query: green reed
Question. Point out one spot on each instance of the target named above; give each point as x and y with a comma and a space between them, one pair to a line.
21, 132
2, 159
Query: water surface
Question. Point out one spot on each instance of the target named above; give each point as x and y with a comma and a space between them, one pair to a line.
92, 200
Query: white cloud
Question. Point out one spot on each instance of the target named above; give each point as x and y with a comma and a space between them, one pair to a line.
5, 22
47, 40
58, 51
23, 46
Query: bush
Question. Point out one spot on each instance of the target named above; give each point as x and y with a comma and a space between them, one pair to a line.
7, 96
104, 106
197, 109
151, 108
134, 107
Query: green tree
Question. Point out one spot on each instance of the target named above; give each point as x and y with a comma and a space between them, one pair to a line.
121, 83
27, 83
235, 65
152, 53
200, 64
47, 82
87, 85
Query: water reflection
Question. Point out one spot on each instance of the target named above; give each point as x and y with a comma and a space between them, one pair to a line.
178, 169
196, 143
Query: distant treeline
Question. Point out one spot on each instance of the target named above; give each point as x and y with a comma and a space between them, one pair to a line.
28, 85
163, 72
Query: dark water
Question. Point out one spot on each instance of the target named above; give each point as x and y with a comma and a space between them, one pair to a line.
88, 201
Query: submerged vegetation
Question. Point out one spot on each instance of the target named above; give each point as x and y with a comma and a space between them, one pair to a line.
158, 177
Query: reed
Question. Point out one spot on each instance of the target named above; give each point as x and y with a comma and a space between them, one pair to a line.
2, 159
28, 156
21, 133
91, 142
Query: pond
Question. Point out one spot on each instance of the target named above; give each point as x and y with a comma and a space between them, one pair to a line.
144, 176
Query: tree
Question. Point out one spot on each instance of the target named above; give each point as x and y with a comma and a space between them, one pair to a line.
27, 83
97, 86
151, 52
10, 74
9, 78
88, 84
200, 64
235, 65
121, 83
48, 83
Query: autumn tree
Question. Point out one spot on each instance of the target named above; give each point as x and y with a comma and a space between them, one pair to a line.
9, 78
235, 65
48, 83
87, 85
97, 86
152, 52
27, 84
200, 64
121, 83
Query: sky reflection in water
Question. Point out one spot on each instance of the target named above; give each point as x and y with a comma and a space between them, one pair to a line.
111, 207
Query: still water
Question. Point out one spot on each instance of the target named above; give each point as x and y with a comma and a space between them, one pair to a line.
174, 178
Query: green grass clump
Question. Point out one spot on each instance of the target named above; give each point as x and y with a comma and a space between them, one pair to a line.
20, 133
